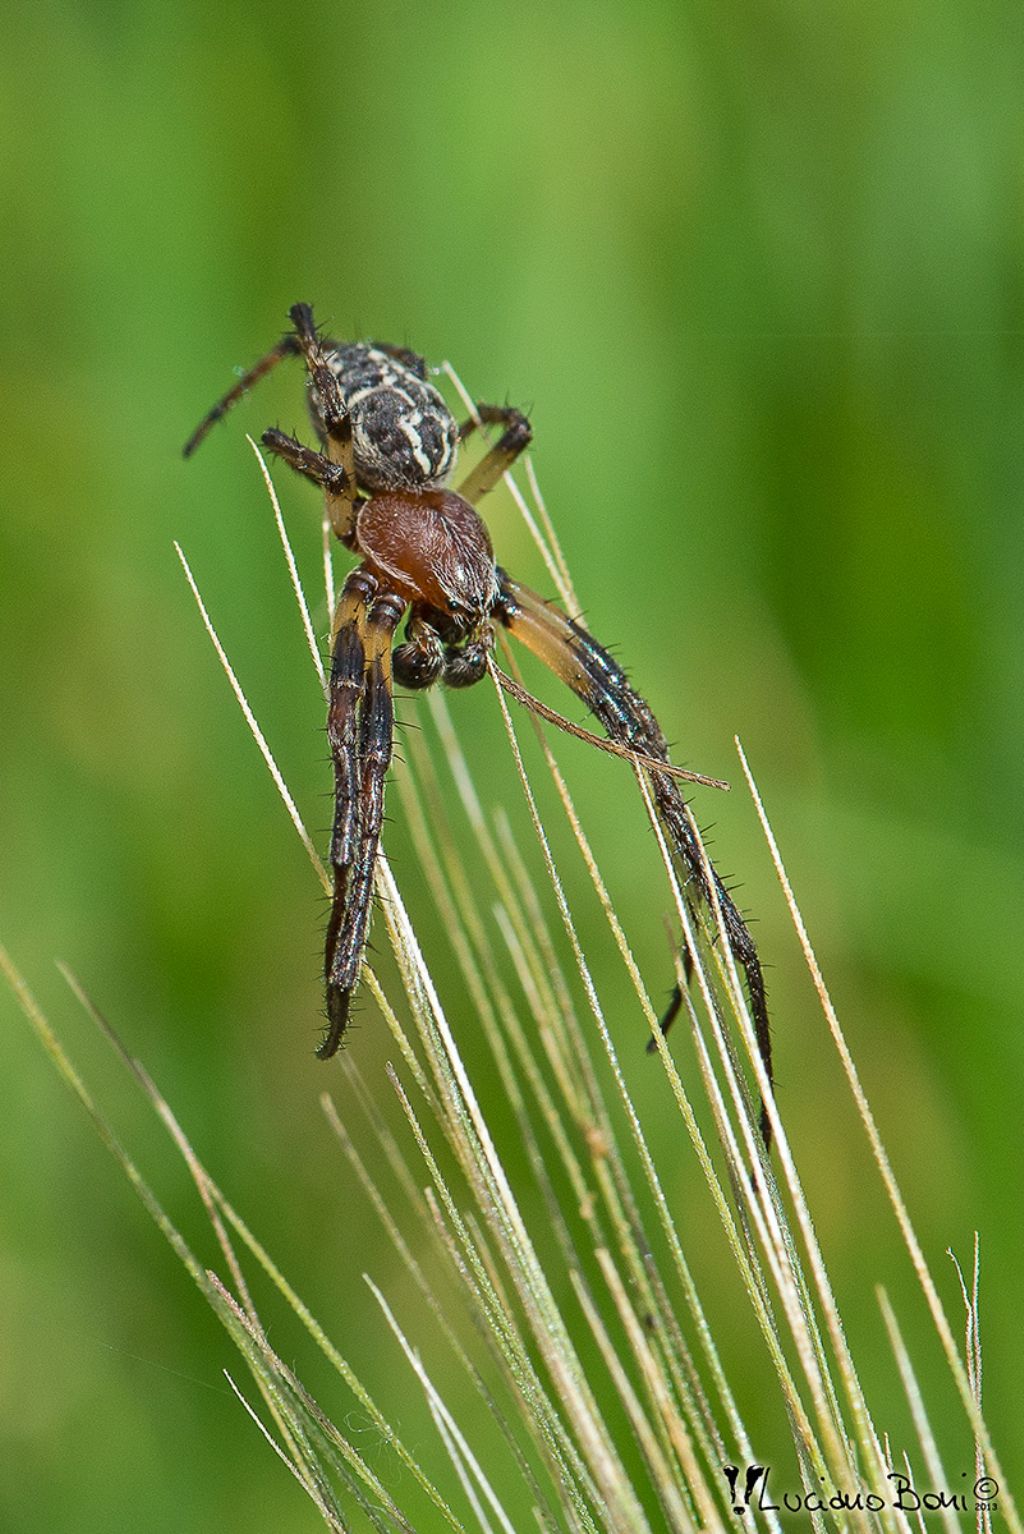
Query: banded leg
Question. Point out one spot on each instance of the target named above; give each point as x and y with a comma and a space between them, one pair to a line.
584, 666
288, 346
332, 420
351, 914
516, 437
316, 466
348, 675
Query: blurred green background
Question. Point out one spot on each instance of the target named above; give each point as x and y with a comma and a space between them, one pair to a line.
756, 271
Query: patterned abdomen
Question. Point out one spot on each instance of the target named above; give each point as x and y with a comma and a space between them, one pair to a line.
404, 437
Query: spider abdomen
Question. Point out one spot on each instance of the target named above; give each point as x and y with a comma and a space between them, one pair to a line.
404, 437
432, 548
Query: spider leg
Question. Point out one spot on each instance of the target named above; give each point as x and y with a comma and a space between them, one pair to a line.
674, 1007
288, 346
576, 657
404, 355
316, 466
364, 756
332, 420
516, 437
348, 674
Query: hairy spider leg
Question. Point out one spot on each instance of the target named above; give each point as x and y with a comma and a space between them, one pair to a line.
335, 424
288, 346
347, 679
403, 354
584, 666
332, 478
361, 764
515, 439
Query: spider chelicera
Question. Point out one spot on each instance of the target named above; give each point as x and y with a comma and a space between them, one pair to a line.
388, 447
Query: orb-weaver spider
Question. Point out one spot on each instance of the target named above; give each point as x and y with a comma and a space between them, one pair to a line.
388, 446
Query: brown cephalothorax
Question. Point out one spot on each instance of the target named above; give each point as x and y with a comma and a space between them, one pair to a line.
388, 448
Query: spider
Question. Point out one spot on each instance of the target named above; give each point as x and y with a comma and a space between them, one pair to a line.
388, 448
